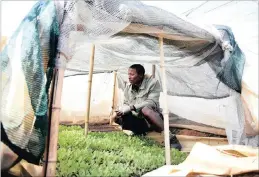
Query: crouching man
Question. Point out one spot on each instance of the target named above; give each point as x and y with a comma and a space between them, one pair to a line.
141, 112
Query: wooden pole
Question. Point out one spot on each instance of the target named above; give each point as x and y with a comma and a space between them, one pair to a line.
165, 113
51, 153
113, 96
90, 76
154, 71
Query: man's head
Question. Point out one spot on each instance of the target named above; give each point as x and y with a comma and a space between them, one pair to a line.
136, 73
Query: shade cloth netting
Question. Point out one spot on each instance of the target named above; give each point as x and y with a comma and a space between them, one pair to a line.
200, 61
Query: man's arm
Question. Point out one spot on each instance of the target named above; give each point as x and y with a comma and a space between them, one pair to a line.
126, 107
153, 97
126, 96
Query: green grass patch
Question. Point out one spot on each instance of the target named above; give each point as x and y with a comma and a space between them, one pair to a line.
108, 154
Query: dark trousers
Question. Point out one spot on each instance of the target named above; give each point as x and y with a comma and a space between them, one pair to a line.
138, 125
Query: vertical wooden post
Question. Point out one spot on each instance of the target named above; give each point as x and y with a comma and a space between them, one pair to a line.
113, 95
51, 153
165, 113
90, 76
153, 71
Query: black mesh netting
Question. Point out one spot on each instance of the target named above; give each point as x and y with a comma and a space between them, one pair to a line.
27, 64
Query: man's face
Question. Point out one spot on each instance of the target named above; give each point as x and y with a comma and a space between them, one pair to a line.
134, 78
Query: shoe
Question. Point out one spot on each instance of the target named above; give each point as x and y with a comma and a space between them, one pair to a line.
128, 132
174, 143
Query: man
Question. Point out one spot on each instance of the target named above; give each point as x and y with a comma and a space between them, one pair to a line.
141, 112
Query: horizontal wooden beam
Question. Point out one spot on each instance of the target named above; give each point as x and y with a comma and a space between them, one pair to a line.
156, 32
188, 142
216, 131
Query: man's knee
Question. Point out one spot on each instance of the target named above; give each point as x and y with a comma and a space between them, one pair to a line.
146, 111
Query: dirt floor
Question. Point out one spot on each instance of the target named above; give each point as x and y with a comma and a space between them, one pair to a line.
189, 132
101, 124
104, 126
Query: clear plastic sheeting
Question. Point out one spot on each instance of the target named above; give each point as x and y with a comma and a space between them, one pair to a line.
75, 91
203, 63
115, 27
236, 126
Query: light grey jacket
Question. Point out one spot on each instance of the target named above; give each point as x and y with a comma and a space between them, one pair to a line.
147, 95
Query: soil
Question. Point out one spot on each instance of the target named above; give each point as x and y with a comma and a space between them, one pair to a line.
103, 125
103, 128
192, 133
106, 127
188, 132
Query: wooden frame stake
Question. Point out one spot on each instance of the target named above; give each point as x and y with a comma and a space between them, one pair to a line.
90, 77
113, 95
153, 71
52, 143
165, 113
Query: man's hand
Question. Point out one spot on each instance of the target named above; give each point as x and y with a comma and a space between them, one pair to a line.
123, 110
132, 108
119, 114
